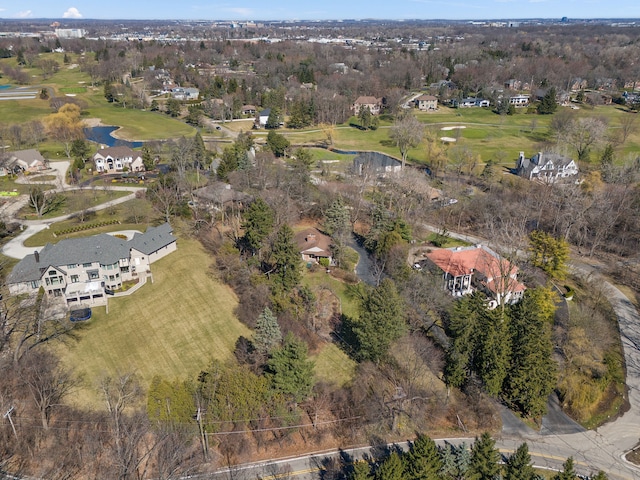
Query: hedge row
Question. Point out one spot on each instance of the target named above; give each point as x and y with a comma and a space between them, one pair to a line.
88, 226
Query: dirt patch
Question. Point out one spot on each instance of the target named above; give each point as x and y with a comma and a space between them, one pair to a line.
93, 122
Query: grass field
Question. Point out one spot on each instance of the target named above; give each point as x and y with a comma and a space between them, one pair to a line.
333, 365
135, 124
73, 90
172, 327
493, 137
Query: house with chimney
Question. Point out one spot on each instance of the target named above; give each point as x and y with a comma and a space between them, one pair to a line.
477, 268
313, 245
117, 160
83, 270
546, 167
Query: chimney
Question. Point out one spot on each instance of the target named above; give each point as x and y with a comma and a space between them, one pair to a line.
36, 254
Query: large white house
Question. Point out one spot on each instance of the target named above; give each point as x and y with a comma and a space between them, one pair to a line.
82, 270
546, 167
118, 159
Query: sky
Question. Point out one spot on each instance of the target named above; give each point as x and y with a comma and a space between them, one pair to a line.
319, 9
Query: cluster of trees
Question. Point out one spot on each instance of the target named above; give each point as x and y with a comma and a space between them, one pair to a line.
425, 459
509, 350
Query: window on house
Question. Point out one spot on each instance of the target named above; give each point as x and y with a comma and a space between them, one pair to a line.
75, 278
72, 265
111, 277
35, 284
93, 274
87, 265
46, 280
53, 273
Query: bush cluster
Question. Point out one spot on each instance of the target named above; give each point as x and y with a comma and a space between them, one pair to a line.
88, 226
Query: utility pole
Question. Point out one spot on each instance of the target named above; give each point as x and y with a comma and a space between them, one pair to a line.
202, 435
13, 427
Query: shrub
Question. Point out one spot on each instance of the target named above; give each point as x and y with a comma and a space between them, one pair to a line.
324, 262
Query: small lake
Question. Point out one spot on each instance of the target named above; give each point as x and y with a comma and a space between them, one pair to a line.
103, 136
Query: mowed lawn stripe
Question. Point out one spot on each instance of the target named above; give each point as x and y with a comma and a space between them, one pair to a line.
173, 327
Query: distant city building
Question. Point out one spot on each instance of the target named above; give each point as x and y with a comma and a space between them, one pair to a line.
70, 32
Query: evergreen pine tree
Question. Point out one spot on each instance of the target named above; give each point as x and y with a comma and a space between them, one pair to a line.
267, 332
484, 459
286, 260
462, 460
518, 466
463, 329
392, 468
447, 462
258, 224
494, 350
548, 104
532, 372
567, 473
290, 370
381, 321
361, 471
422, 460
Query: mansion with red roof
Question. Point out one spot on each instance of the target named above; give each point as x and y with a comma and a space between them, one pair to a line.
467, 269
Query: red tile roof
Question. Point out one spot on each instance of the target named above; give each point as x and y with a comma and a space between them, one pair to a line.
468, 260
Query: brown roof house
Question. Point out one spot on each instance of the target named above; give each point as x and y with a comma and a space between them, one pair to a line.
426, 103
372, 103
467, 269
117, 159
313, 245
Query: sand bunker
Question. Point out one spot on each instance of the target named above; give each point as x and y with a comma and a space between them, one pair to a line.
453, 128
447, 139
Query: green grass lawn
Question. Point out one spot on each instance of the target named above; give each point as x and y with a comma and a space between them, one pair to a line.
75, 201
320, 279
173, 327
333, 365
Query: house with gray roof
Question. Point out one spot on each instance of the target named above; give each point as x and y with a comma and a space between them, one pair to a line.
118, 159
29, 160
546, 167
375, 163
82, 270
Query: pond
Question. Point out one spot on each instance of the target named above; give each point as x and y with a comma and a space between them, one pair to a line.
102, 135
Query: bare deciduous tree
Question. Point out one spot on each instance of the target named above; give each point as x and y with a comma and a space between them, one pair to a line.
407, 132
47, 381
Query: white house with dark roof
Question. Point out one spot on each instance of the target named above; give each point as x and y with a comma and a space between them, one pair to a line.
546, 167
117, 159
82, 269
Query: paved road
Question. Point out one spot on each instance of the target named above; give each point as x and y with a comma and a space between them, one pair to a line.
544, 455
